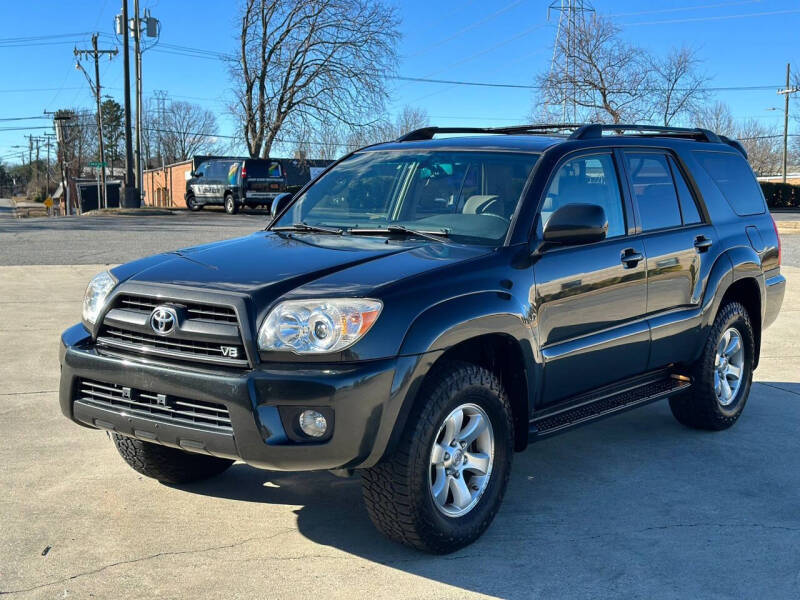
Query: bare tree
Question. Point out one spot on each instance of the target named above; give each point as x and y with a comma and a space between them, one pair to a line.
186, 129
717, 117
679, 86
608, 79
763, 145
307, 61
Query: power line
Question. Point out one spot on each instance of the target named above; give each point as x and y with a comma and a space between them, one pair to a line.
789, 11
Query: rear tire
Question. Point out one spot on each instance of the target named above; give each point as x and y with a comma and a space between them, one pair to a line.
717, 397
167, 465
192, 204
430, 492
230, 205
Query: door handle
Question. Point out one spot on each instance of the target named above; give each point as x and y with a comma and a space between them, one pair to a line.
702, 243
630, 258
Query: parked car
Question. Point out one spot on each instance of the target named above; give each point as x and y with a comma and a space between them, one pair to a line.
250, 182
430, 306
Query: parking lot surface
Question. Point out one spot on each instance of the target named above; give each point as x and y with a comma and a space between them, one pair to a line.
113, 240
634, 506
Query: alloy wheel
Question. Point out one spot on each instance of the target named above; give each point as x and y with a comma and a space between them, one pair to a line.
461, 460
728, 366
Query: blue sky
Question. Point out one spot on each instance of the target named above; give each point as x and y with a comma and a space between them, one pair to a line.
742, 43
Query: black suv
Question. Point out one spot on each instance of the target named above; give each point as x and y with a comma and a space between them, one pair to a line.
429, 306
251, 182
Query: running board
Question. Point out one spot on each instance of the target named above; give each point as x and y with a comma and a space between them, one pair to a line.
606, 405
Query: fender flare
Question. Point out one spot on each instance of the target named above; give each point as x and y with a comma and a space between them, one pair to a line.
439, 328
735, 264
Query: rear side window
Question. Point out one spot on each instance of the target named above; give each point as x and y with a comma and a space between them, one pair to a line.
688, 205
735, 180
264, 169
653, 190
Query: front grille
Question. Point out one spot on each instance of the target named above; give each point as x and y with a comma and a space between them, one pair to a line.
205, 333
195, 310
138, 402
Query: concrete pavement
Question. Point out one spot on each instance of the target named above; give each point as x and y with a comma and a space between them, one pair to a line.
634, 506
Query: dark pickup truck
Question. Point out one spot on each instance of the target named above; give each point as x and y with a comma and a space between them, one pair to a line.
429, 306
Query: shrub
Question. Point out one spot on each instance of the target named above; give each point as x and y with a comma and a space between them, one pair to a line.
781, 195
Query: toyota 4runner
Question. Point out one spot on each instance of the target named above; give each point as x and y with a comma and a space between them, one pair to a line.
429, 306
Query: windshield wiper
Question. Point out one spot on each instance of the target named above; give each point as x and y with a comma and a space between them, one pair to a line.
306, 227
436, 236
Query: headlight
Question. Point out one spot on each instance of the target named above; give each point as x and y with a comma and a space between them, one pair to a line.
317, 326
96, 294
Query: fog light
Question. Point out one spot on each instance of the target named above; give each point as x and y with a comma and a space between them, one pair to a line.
313, 424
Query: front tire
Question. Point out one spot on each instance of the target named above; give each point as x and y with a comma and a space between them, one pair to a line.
723, 374
192, 204
230, 205
167, 465
443, 484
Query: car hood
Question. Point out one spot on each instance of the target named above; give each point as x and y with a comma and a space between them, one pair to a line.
267, 265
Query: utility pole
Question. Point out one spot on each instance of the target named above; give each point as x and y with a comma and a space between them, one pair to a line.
137, 27
130, 197
95, 53
137, 34
786, 93
59, 120
161, 99
48, 143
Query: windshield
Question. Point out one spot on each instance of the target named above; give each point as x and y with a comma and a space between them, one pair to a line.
470, 196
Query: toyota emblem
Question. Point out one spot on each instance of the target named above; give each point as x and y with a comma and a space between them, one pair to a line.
163, 320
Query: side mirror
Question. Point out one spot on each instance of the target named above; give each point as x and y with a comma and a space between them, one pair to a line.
574, 224
280, 202
196, 174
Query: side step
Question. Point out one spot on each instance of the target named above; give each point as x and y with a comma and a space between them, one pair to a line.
606, 404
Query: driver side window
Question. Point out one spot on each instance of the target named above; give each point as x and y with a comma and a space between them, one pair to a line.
588, 179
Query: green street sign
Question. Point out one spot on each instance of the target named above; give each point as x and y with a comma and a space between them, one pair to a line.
98, 164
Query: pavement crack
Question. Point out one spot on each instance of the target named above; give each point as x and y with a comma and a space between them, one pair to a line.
143, 559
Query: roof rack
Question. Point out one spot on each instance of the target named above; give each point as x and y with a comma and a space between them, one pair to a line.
580, 131
596, 130
427, 133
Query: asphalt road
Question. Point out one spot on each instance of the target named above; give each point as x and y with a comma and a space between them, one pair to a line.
635, 506
114, 240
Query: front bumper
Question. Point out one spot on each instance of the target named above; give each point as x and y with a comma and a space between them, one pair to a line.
367, 400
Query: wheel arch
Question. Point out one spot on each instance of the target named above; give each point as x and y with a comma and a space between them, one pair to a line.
489, 329
737, 276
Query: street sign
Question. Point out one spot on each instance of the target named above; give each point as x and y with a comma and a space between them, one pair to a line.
48, 202
98, 164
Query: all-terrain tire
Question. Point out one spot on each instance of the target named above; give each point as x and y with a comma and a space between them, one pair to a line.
699, 407
397, 491
168, 465
230, 204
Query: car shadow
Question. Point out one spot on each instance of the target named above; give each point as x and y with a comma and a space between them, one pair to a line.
635, 505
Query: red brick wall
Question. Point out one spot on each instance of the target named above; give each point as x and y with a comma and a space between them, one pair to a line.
166, 187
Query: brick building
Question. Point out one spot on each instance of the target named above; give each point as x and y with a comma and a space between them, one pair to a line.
165, 187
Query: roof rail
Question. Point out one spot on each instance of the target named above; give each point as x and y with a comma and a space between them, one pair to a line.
596, 130
427, 133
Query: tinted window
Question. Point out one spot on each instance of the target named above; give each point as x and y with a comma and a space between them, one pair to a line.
653, 190
201, 170
688, 205
735, 180
587, 180
263, 168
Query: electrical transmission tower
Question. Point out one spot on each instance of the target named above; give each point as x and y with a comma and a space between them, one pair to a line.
572, 16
